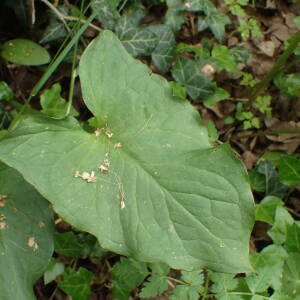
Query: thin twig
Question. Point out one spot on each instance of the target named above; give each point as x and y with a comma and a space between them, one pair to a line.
65, 18
58, 13
270, 132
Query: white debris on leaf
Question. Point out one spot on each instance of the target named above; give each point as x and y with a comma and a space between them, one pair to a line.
3, 197
122, 204
41, 224
187, 4
2, 203
98, 131
32, 243
109, 134
118, 145
104, 169
88, 177
3, 224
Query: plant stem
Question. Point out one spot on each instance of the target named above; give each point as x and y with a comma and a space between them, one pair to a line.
206, 286
65, 18
271, 132
53, 66
260, 86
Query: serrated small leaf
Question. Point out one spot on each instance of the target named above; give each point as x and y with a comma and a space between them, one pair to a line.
77, 283
223, 283
216, 22
154, 286
136, 40
224, 58
289, 170
25, 52
186, 292
265, 210
26, 236
67, 244
194, 277
188, 73
178, 90
163, 53
218, 95
126, 275
54, 269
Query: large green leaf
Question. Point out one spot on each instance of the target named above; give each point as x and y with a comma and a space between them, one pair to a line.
159, 191
26, 229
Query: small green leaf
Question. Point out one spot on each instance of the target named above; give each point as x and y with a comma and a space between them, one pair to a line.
223, 284
205, 6
154, 286
216, 22
257, 181
268, 265
273, 186
54, 269
126, 275
201, 51
289, 170
265, 210
25, 52
292, 243
273, 157
188, 73
194, 277
240, 54
26, 236
136, 40
218, 95
289, 85
54, 105
178, 90
76, 283
224, 58
282, 222
212, 131
67, 244
163, 53
186, 292
5, 91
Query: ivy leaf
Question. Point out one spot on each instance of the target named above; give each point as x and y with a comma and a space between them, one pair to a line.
216, 22
76, 283
140, 171
174, 16
126, 275
205, 6
26, 236
163, 53
67, 244
224, 58
289, 170
240, 54
56, 30
273, 186
108, 14
188, 73
137, 41
257, 181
